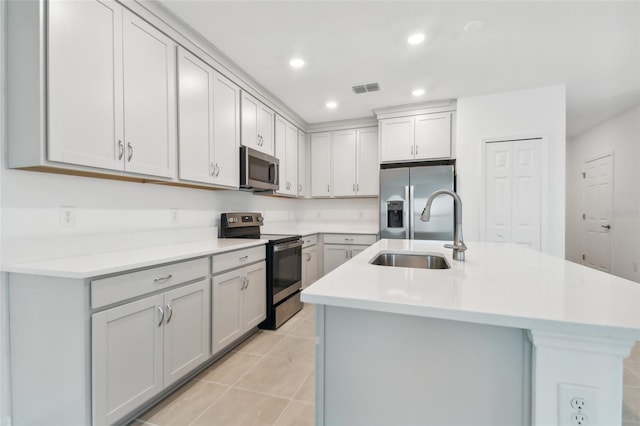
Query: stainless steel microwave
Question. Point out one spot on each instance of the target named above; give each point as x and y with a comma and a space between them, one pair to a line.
258, 171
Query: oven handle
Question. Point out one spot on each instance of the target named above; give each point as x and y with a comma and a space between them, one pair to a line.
280, 247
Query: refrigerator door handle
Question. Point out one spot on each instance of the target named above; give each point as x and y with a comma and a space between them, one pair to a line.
411, 212
407, 212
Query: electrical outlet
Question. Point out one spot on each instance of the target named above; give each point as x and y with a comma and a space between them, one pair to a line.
67, 216
577, 405
174, 216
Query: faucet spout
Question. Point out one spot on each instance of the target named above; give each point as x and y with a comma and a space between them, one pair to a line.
458, 245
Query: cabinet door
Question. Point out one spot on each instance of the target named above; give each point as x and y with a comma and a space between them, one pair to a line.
368, 166
149, 101
303, 165
433, 136
85, 83
187, 330
344, 163
321, 164
291, 159
195, 113
255, 295
355, 250
396, 139
334, 256
309, 265
227, 309
265, 129
127, 345
249, 121
281, 151
226, 131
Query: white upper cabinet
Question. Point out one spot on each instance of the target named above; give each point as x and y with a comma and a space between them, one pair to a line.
111, 87
286, 135
85, 83
433, 136
420, 137
149, 101
321, 164
344, 163
355, 162
368, 169
257, 125
303, 165
209, 128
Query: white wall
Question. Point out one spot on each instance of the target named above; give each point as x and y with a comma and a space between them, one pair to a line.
513, 115
620, 136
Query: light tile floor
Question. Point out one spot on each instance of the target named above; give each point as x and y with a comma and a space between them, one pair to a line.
267, 380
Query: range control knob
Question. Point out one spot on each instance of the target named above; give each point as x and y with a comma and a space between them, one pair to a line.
232, 220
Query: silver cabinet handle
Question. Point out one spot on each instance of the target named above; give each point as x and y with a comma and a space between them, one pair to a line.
605, 226
130, 151
170, 310
348, 239
299, 187
217, 170
120, 149
308, 257
354, 187
161, 315
358, 187
212, 169
328, 186
350, 254
416, 149
411, 149
168, 277
243, 258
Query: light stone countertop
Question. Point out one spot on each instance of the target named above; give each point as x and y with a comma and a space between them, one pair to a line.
80, 267
498, 284
310, 228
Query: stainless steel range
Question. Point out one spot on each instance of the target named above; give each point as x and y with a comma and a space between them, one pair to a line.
284, 265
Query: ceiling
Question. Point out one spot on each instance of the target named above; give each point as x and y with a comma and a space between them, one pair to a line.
591, 47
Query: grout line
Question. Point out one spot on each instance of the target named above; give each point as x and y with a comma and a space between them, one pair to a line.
210, 405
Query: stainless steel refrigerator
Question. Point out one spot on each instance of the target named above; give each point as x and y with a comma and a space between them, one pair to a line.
403, 194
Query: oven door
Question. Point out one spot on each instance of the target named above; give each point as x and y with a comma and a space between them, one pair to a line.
287, 269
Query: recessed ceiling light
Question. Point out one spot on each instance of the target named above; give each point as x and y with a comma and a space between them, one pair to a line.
473, 26
297, 63
332, 104
418, 92
416, 38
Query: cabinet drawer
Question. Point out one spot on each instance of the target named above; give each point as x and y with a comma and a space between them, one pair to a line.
365, 239
309, 240
225, 261
126, 286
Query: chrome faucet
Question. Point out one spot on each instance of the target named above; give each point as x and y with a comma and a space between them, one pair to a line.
458, 245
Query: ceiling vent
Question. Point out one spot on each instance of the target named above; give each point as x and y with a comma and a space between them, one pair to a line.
365, 88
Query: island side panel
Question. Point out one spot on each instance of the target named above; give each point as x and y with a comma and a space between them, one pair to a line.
50, 352
381, 369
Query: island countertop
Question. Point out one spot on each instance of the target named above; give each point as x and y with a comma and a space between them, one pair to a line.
498, 284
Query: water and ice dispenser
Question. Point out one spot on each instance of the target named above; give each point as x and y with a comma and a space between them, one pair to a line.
395, 214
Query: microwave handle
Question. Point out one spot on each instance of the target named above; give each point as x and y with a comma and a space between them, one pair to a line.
276, 168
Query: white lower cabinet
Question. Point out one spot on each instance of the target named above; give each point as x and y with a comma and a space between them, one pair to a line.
310, 260
141, 347
239, 303
338, 248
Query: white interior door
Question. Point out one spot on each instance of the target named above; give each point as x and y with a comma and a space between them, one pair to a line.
513, 193
598, 201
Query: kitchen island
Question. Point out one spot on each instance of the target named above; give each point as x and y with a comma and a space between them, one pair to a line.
510, 336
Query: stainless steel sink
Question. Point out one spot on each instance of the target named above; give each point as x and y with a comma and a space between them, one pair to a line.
406, 260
